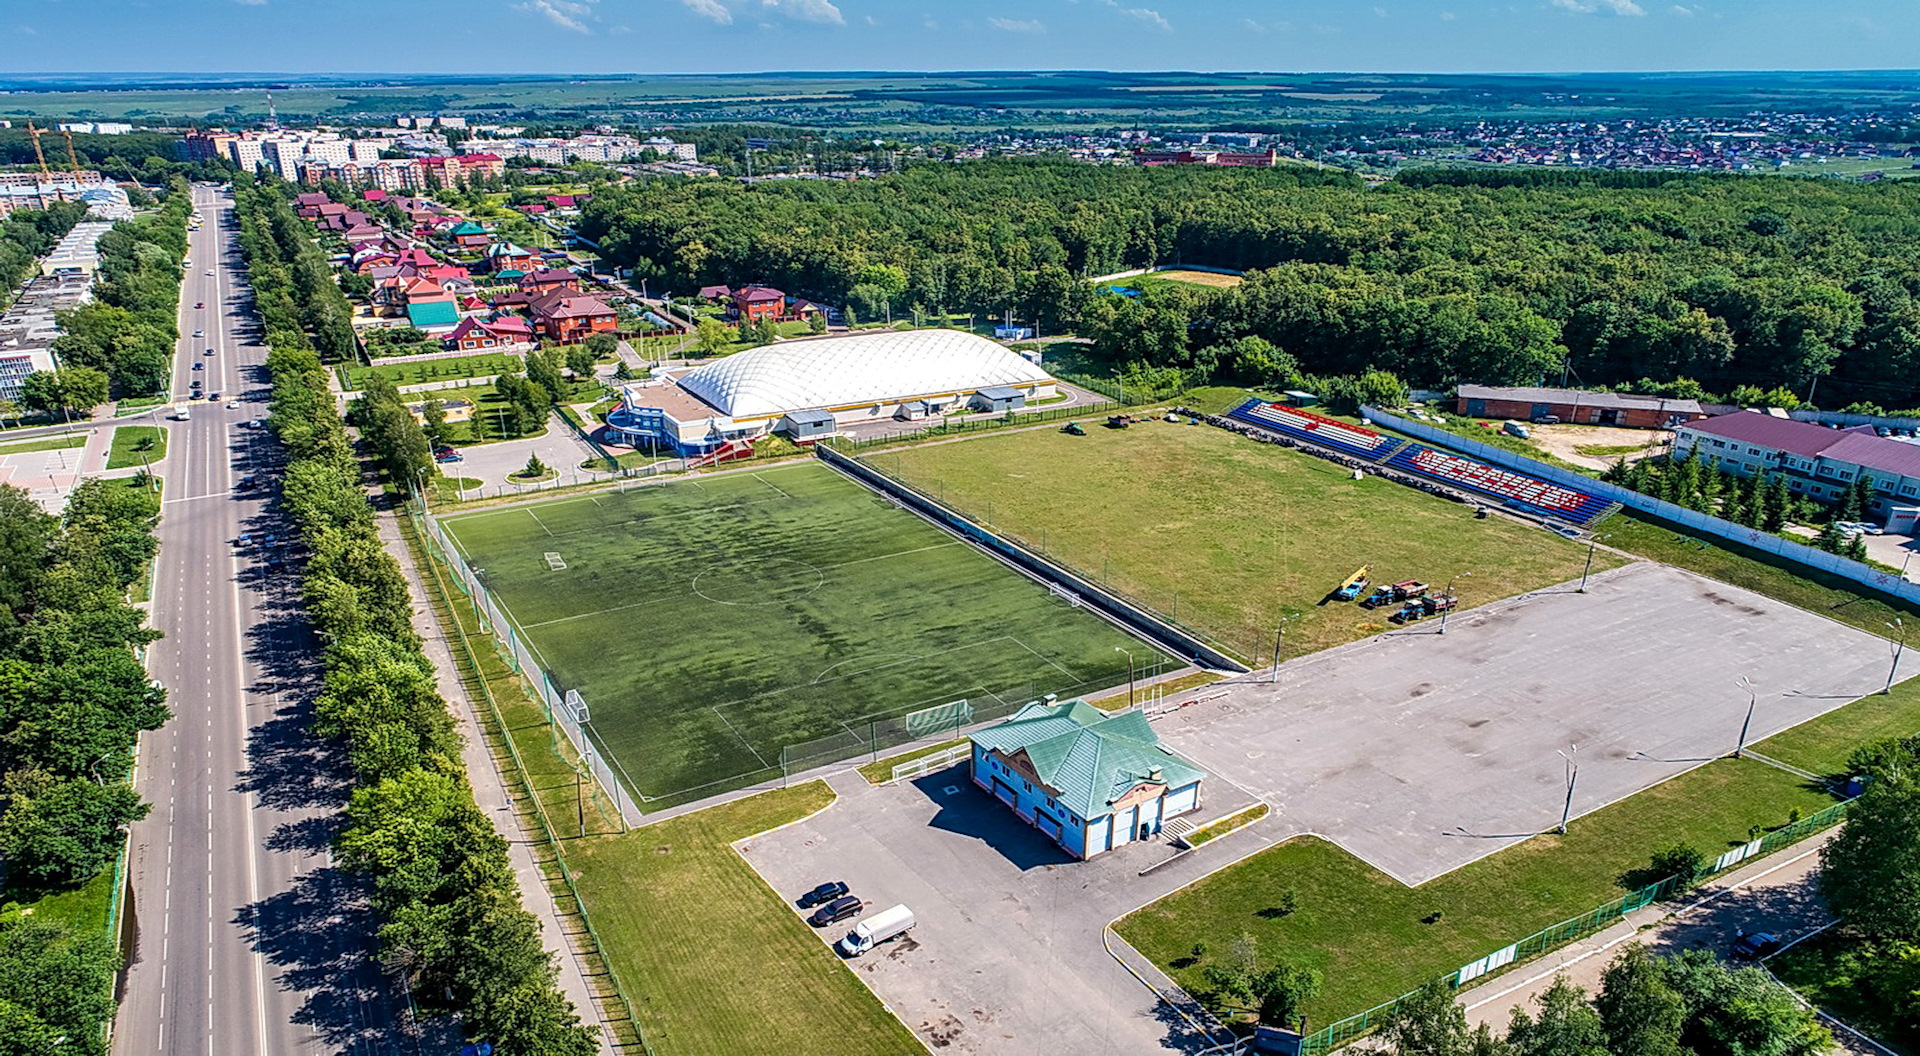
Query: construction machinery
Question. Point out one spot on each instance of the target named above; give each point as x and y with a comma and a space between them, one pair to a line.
1401, 591
1422, 607
1119, 421
37, 152
1073, 429
1354, 585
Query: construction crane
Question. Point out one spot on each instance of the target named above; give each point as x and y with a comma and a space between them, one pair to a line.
71, 158
35, 133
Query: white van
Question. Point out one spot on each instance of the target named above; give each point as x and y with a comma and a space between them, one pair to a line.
182, 413
871, 932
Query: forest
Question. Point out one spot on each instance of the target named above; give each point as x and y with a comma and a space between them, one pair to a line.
1727, 281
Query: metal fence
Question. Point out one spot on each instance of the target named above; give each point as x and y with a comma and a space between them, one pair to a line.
1337, 1034
568, 712
978, 424
1766, 542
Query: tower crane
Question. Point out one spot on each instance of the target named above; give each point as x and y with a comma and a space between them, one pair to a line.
71, 158
37, 153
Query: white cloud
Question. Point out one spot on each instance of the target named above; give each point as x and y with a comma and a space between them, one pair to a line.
1379, 12
26, 31
1147, 15
1014, 25
1588, 7
808, 10
1264, 28
1447, 16
927, 21
711, 10
252, 3
1683, 10
563, 13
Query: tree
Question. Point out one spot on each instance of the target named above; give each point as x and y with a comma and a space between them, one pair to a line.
56, 987
1282, 992
543, 369
1740, 1011
816, 322
58, 832
1779, 501
1429, 1022
1234, 975
713, 336
68, 391
433, 413
1640, 1013
534, 467
1831, 538
1567, 1025
1870, 871
1681, 860
1856, 499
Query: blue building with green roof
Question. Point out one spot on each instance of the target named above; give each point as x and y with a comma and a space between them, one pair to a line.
1090, 780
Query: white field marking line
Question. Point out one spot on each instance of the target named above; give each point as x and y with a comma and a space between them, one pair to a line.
743, 741
772, 485
538, 521
1045, 659
1675, 915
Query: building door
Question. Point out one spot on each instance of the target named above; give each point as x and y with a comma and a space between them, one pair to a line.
1003, 791
1047, 825
1123, 827
1609, 416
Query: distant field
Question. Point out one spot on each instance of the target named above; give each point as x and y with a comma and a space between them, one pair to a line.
1192, 278
1228, 536
710, 623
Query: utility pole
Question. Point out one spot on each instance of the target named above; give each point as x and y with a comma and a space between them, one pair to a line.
1129, 656
1752, 697
1571, 755
1592, 543
1899, 625
1444, 613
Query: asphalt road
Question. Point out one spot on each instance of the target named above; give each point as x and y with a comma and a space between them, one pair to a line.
246, 941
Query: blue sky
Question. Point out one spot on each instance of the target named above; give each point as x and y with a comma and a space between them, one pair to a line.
693, 36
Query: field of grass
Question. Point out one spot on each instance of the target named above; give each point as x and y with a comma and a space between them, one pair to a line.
711, 622
427, 370
135, 445
63, 442
1368, 933
723, 966
1226, 535
1730, 562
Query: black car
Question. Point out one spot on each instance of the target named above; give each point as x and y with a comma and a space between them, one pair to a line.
826, 892
1755, 946
244, 482
836, 911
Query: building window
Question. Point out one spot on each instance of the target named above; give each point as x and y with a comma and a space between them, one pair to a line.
1906, 489
1753, 450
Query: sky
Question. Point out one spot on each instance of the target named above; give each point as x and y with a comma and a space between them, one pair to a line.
715, 36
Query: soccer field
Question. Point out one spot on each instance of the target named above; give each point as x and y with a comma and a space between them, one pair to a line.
1228, 536
711, 622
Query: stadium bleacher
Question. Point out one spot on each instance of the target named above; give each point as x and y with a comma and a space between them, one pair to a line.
1514, 489
1315, 429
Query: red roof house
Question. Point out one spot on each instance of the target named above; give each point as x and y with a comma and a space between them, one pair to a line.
546, 280
505, 331
754, 303
568, 316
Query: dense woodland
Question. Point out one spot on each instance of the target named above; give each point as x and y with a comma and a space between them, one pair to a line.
1511, 277
74, 699
437, 873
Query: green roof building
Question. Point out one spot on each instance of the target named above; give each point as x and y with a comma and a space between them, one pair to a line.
1090, 780
433, 315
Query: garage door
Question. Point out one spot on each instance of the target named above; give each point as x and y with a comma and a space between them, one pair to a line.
1123, 827
1004, 791
1048, 826
1182, 801
1097, 832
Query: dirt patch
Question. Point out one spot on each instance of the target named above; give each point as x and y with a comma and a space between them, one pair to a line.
1198, 278
1565, 441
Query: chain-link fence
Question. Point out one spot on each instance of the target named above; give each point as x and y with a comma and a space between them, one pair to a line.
1557, 935
568, 712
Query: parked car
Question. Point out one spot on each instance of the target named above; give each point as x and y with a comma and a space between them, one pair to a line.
244, 482
1755, 946
836, 911
213, 398
244, 540
1546, 419
826, 892
1515, 429
448, 454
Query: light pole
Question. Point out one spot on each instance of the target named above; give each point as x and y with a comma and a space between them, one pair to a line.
1444, 613
1129, 657
1752, 697
1571, 755
1592, 544
1279, 638
1899, 647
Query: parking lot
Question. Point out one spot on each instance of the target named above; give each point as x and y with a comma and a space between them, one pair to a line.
1420, 752
1007, 956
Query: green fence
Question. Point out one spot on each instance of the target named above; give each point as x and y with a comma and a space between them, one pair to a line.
1557, 935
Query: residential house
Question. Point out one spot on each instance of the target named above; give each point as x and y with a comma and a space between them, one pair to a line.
468, 235
474, 334
508, 261
715, 293
546, 280
754, 303
568, 316
1088, 780
308, 204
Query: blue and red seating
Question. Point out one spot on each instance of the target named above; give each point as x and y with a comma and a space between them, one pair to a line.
1320, 430
1514, 489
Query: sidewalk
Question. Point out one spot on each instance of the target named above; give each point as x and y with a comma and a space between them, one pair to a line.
489, 789
1777, 894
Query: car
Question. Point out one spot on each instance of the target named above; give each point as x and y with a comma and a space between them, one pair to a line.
208, 273
836, 911
256, 423
1546, 419
199, 333
233, 405
1755, 946
244, 482
448, 454
826, 892
214, 398
208, 352
199, 366
199, 304
245, 540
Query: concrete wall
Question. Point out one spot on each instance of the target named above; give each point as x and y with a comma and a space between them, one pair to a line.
1885, 582
1179, 641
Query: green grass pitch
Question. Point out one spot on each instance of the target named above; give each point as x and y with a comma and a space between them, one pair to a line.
710, 622
1229, 536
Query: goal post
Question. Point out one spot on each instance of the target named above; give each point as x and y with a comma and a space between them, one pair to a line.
937, 719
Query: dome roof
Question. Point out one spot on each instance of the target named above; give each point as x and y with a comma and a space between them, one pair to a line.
882, 367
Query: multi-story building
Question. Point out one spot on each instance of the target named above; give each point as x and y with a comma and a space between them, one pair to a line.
1814, 460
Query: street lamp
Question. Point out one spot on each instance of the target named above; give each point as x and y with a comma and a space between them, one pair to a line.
1899, 647
1571, 755
1279, 633
1592, 544
1129, 657
1752, 696
1444, 613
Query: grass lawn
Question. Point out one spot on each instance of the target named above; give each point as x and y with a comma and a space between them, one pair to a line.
713, 621
1181, 276
1226, 535
721, 965
135, 445
84, 908
135, 405
1365, 931
1166, 688
426, 370
63, 442
1730, 562
1822, 745
880, 771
